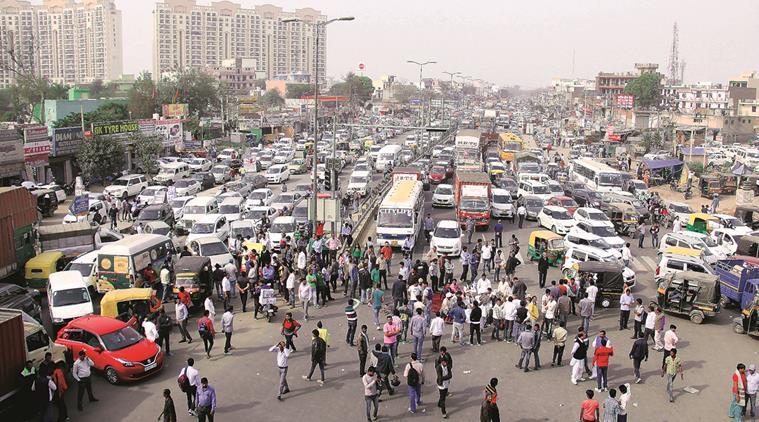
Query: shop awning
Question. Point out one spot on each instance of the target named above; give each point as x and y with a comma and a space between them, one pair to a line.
660, 164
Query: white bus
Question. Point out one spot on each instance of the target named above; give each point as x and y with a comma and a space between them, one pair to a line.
389, 155
597, 176
400, 213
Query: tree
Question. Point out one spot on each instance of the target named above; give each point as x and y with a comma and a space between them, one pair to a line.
101, 157
201, 91
147, 149
646, 88
109, 112
271, 99
98, 89
358, 89
298, 90
143, 97
652, 141
404, 93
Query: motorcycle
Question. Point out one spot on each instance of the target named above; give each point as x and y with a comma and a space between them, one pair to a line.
268, 301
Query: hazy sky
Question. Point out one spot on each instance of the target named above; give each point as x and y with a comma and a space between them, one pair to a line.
526, 42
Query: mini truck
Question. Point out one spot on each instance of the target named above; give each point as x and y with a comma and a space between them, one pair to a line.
472, 195
737, 282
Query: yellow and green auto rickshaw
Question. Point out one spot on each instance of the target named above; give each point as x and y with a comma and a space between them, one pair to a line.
194, 274
699, 222
545, 241
38, 269
126, 304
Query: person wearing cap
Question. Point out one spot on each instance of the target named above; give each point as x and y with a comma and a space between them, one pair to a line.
489, 409
752, 385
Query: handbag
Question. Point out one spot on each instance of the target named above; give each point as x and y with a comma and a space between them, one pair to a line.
395, 381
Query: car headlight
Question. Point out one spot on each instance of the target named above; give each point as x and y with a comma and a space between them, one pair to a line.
126, 363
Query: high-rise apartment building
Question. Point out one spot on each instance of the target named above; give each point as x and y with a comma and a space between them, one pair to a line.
191, 35
64, 41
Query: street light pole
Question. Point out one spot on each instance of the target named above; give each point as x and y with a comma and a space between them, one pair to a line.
451, 74
421, 67
314, 162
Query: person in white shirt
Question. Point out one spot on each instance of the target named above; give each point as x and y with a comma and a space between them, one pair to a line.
436, 330
483, 284
626, 300
624, 399
650, 323
302, 260
486, 254
549, 314
498, 320
592, 291
181, 314
305, 293
226, 289
509, 314
283, 354
151, 331
193, 379
670, 341
81, 371
227, 322
208, 306
290, 285
165, 276
626, 255
752, 386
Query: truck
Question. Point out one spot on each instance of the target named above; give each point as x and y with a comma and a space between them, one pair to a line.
18, 215
737, 282
24, 339
467, 150
72, 239
472, 196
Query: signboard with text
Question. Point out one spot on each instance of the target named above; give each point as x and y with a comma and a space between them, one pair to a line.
625, 101
170, 132
115, 128
66, 141
175, 110
36, 146
11, 152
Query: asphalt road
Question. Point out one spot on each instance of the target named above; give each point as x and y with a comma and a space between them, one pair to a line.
246, 381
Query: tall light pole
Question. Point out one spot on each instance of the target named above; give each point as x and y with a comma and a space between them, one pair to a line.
421, 88
314, 175
451, 74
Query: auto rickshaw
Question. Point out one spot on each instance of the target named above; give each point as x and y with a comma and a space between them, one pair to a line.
38, 269
689, 293
709, 185
47, 202
550, 243
129, 305
254, 246
607, 276
748, 321
699, 222
624, 217
748, 246
749, 214
194, 274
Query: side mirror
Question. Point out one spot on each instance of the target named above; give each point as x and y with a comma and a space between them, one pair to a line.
98, 350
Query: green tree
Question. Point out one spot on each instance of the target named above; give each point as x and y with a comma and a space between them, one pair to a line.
271, 99
358, 89
99, 89
298, 90
101, 157
404, 93
201, 91
143, 97
109, 112
57, 91
652, 141
147, 149
646, 88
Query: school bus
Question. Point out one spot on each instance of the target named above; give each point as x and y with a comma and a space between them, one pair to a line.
510, 145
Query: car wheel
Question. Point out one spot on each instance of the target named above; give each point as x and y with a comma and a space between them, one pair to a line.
111, 375
697, 317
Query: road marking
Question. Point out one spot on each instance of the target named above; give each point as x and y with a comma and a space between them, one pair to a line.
643, 264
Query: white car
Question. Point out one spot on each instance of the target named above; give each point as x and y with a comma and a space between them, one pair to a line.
243, 228
577, 237
730, 222
556, 219
443, 196
257, 214
259, 197
209, 225
359, 182
227, 154
187, 187
68, 297
593, 215
501, 204
127, 186
603, 231
727, 239
281, 227
586, 253
555, 188
532, 188
447, 238
278, 173
199, 164
221, 173
152, 195
283, 156
96, 207
85, 264
679, 210
707, 243
177, 205
211, 247
231, 208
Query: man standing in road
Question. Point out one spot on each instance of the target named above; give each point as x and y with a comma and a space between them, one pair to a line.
363, 350
164, 330
429, 226
352, 317
283, 354
469, 225
626, 254
498, 229
205, 401
641, 234
444, 375
418, 329
543, 266
190, 386
526, 341
318, 356
670, 341
752, 386
586, 312
626, 300
464, 258
559, 341
227, 326
81, 370
371, 393
521, 214
436, 330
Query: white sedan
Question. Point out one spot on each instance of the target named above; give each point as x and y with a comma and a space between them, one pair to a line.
152, 195
187, 187
447, 238
443, 196
556, 219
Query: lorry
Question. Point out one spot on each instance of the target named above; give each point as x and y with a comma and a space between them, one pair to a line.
472, 196
737, 282
467, 150
18, 215
72, 239
24, 339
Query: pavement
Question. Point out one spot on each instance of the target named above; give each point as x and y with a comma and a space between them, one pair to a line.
246, 380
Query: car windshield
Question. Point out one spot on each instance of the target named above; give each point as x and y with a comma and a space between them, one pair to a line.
359, 179
638, 203
229, 209
184, 183
598, 216
213, 249
732, 222
258, 195
473, 204
300, 212
121, 339
568, 202
243, 231
561, 215
218, 170
195, 209
178, 203
593, 195
447, 232
533, 203
438, 169
203, 228
84, 268
282, 228
274, 170
69, 297
150, 214
599, 243
685, 209
120, 182
444, 190
609, 179
196, 161
149, 192
603, 231
395, 218
502, 199
540, 189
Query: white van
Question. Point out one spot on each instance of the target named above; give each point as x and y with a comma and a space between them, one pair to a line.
389, 155
359, 182
532, 188
196, 208
68, 297
172, 172
232, 208
85, 265
281, 227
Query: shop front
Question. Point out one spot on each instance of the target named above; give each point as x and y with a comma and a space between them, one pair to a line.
11, 157
65, 145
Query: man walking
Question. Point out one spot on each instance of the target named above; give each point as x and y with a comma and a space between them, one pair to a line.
169, 413
189, 381
521, 214
641, 234
81, 370
206, 332
559, 341
601, 359
318, 356
371, 394
164, 330
526, 341
638, 354
543, 266
352, 317
363, 350
752, 386
672, 366
475, 321
469, 229
205, 401
498, 228
586, 312
414, 374
181, 314
418, 329
443, 380
670, 341
283, 354
227, 322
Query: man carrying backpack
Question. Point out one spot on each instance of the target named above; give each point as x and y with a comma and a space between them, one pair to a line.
414, 374
189, 380
206, 332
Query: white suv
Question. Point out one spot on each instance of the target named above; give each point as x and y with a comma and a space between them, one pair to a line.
127, 186
587, 253
556, 219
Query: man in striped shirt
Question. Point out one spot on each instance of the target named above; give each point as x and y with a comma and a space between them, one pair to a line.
350, 314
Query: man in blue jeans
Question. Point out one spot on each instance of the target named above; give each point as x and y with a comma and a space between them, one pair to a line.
414, 374
418, 329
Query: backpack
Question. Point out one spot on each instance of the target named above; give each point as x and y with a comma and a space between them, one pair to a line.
203, 327
413, 376
183, 381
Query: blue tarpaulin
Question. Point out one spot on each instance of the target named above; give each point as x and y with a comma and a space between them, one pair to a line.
660, 164
696, 151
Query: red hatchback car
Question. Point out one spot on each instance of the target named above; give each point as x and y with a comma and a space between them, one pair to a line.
438, 174
116, 348
563, 201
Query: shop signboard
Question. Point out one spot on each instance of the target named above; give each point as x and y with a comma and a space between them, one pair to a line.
36, 146
170, 132
11, 152
175, 110
115, 128
66, 141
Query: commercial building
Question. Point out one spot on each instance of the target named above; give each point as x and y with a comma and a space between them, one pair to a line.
64, 41
609, 84
239, 74
188, 34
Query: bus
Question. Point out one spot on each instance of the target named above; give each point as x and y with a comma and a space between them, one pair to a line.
121, 263
389, 155
400, 213
511, 144
597, 176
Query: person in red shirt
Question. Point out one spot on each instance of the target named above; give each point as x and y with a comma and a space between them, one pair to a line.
601, 359
149, 275
739, 387
184, 297
290, 328
387, 254
589, 408
206, 332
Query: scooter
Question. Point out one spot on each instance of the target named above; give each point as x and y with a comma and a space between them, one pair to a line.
270, 310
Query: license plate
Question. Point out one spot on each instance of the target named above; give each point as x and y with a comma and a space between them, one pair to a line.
151, 366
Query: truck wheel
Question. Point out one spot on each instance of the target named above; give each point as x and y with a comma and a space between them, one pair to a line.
738, 328
697, 317
724, 302
111, 375
605, 302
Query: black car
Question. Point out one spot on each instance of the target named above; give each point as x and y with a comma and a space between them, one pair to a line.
16, 297
255, 181
533, 205
587, 198
157, 212
571, 186
206, 179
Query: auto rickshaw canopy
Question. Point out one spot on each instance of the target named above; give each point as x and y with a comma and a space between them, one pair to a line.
706, 284
42, 265
699, 222
748, 246
110, 301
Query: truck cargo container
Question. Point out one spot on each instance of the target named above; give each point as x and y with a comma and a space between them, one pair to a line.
737, 279
472, 197
467, 150
18, 214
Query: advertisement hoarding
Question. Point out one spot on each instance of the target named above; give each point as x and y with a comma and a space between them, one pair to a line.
11, 152
625, 101
175, 110
36, 146
170, 132
66, 141
115, 128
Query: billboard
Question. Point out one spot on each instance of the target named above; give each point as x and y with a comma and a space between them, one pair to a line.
36, 146
66, 141
115, 128
11, 152
625, 101
175, 110
170, 132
